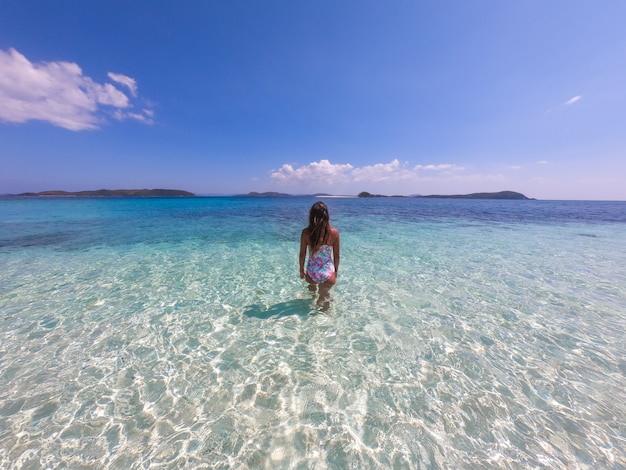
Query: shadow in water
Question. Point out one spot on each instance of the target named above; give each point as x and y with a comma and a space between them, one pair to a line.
300, 307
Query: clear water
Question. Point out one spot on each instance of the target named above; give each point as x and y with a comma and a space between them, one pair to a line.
176, 333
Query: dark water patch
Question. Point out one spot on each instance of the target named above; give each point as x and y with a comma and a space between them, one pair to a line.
36, 240
299, 307
49, 323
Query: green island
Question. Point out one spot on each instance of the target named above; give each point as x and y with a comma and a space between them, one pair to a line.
496, 195
115, 193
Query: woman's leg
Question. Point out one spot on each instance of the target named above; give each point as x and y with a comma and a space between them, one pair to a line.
312, 284
324, 291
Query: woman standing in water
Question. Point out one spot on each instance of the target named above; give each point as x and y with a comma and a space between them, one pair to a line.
323, 242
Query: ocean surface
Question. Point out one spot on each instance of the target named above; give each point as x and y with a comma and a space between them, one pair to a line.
176, 333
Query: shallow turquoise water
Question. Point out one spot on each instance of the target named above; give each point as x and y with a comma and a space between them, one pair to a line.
169, 333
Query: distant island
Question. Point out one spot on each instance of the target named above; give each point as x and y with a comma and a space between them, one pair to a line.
497, 195
275, 194
511, 195
115, 193
266, 194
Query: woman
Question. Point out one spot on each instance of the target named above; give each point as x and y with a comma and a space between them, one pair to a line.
322, 241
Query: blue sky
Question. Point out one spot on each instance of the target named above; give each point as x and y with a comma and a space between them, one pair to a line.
398, 97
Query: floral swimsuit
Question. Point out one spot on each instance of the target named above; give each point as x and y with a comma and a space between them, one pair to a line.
321, 266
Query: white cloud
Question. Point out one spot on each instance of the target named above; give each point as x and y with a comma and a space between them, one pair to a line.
573, 100
381, 172
389, 178
327, 174
124, 80
321, 172
59, 93
542, 162
441, 167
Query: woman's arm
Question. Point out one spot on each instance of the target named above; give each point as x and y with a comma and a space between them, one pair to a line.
336, 249
304, 242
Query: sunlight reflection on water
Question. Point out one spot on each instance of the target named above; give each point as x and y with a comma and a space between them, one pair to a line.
454, 344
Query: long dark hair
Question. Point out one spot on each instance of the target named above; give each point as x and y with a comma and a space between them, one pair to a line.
319, 225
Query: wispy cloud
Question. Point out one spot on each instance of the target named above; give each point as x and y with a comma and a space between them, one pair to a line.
59, 93
573, 100
542, 162
128, 82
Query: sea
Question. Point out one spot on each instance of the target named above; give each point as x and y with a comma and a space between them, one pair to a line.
168, 333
